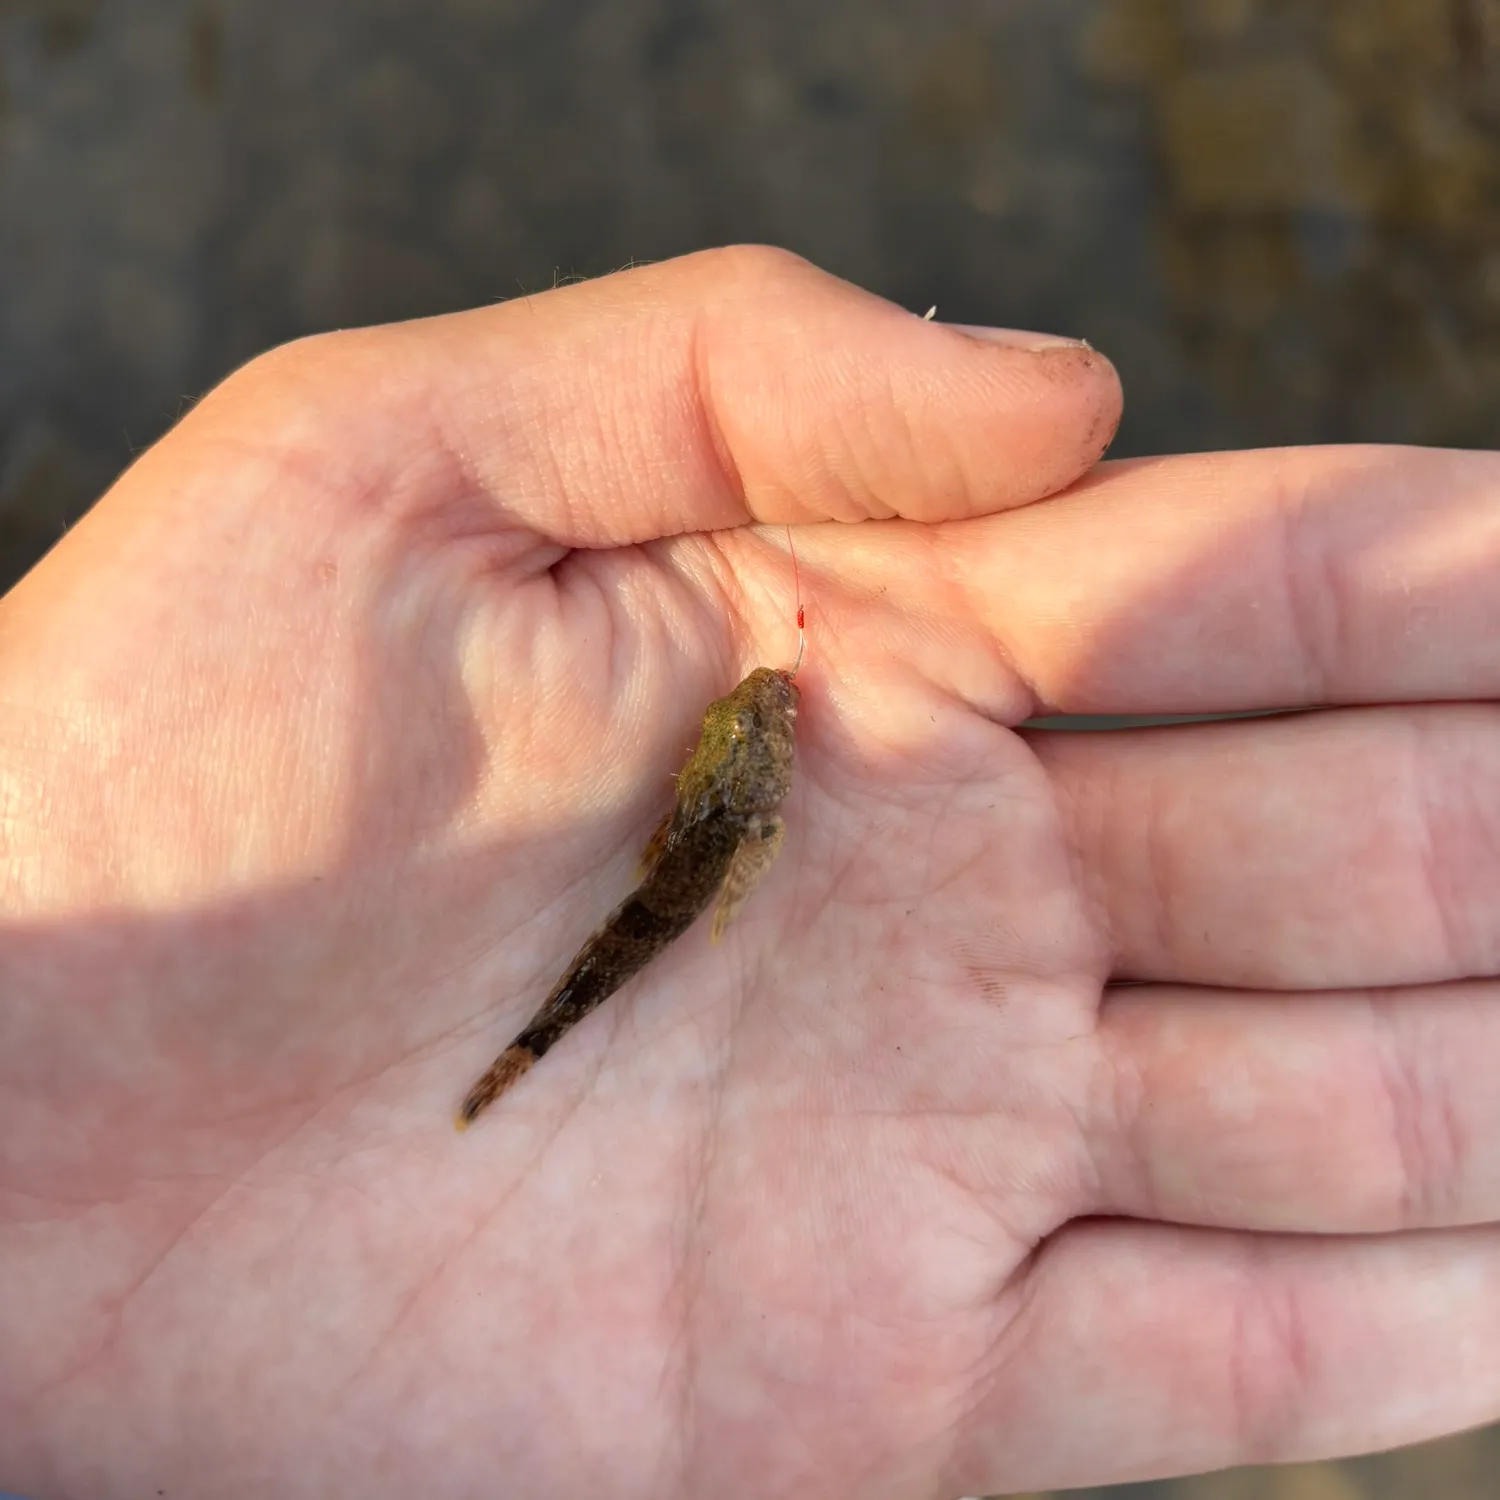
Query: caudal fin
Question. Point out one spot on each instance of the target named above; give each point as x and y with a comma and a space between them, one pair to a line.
512, 1064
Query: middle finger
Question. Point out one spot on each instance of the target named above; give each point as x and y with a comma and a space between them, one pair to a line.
1316, 851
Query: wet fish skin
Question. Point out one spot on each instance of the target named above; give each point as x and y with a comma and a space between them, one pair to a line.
720, 837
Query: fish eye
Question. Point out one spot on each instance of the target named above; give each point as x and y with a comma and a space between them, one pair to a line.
743, 724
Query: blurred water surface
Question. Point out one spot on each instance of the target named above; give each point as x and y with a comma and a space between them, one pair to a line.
1281, 220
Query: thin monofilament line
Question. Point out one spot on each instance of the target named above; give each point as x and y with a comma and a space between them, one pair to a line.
797, 591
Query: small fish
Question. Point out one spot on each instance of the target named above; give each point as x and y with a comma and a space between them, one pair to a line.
718, 840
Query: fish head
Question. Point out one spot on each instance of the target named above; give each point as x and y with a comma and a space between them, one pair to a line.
743, 762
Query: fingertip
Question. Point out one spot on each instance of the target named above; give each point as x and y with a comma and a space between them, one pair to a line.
834, 403
1016, 338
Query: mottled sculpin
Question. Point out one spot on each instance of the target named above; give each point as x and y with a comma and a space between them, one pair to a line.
718, 840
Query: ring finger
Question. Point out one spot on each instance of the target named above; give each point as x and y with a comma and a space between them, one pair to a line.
1348, 1113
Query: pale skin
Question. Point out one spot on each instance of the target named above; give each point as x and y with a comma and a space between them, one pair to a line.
343, 719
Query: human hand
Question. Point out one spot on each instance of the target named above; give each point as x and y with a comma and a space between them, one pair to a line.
341, 721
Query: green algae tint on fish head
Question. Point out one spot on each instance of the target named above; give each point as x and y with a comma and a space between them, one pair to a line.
743, 761
712, 848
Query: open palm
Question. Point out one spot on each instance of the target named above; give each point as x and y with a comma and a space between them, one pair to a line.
344, 719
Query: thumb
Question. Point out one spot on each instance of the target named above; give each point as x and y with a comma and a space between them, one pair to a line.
703, 393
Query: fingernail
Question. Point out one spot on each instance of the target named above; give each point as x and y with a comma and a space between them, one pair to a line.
1018, 338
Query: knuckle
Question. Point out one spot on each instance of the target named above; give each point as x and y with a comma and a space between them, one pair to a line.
1272, 1364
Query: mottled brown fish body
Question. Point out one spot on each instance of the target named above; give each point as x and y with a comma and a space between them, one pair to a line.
718, 840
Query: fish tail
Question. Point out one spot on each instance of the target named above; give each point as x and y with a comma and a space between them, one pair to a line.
512, 1065
633, 935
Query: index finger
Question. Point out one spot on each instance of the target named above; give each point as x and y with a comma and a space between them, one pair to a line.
1238, 581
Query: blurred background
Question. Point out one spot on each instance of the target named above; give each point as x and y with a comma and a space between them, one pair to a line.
1280, 220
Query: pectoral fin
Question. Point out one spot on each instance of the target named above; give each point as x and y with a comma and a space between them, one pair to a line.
653, 850
757, 851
